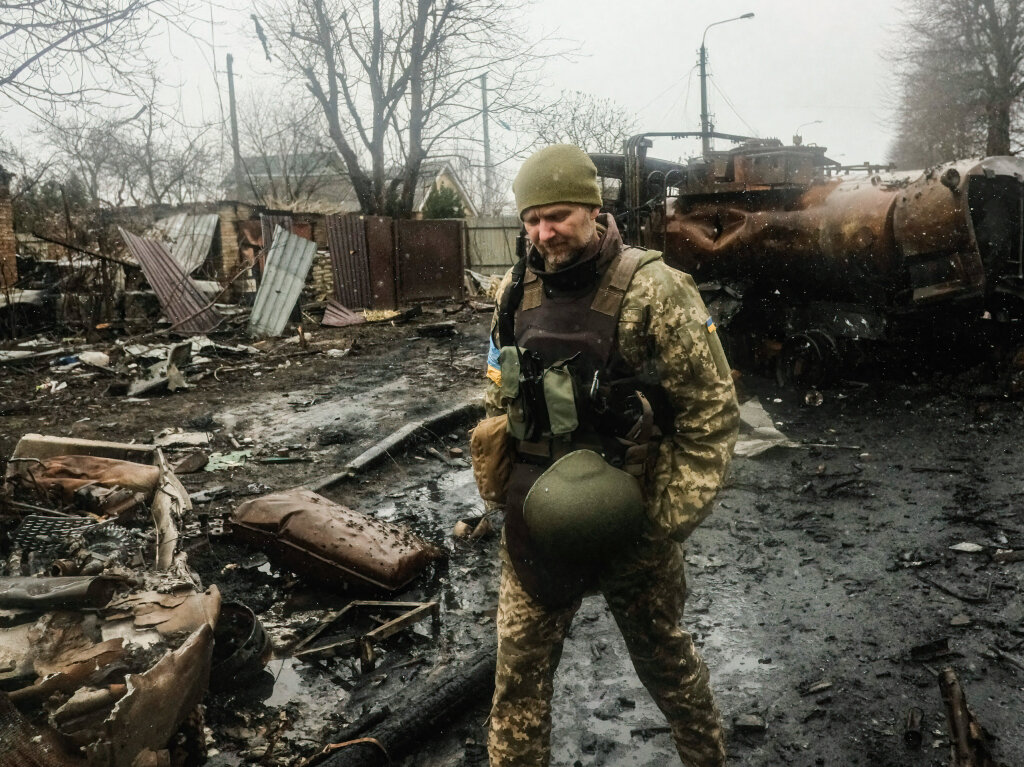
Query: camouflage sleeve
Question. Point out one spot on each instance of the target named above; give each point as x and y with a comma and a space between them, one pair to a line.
492, 398
664, 323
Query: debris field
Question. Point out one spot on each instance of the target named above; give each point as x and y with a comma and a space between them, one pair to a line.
305, 524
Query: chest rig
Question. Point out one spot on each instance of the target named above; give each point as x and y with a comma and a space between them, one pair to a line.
566, 387
564, 382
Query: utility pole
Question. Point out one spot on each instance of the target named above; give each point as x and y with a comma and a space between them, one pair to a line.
488, 180
706, 128
705, 122
235, 150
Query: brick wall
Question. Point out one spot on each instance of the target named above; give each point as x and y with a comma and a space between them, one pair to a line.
8, 264
321, 279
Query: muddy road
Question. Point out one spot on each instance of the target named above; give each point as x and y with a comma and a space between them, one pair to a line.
815, 588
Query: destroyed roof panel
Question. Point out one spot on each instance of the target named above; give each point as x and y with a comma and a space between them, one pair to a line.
180, 298
190, 237
288, 263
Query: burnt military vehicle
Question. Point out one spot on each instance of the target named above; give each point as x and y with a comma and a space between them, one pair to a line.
810, 263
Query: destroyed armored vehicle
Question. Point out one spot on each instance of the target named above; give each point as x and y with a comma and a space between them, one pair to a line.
809, 263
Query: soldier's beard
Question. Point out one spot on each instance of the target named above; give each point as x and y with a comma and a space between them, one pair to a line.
565, 251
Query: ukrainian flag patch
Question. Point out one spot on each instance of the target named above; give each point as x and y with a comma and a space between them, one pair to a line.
493, 364
710, 324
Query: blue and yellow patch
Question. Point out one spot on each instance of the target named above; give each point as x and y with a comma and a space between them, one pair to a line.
493, 364
710, 324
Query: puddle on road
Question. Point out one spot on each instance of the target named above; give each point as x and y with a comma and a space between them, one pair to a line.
287, 419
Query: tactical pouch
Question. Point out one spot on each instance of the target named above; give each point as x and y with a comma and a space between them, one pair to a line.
490, 448
522, 392
560, 400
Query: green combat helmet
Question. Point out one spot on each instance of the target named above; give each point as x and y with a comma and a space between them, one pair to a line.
584, 511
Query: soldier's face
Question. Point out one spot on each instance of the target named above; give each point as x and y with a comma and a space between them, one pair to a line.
560, 231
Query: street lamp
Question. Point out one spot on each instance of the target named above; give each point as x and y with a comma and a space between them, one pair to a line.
797, 138
705, 122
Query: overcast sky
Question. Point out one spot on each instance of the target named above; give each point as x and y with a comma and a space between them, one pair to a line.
795, 62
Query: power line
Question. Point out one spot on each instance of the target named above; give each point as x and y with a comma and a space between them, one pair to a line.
732, 107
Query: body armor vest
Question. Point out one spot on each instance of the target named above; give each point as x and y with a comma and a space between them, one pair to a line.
572, 328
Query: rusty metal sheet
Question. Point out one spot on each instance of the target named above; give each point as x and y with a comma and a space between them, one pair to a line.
288, 263
185, 305
157, 703
350, 261
269, 223
189, 237
380, 242
314, 536
338, 316
56, 592
430, 256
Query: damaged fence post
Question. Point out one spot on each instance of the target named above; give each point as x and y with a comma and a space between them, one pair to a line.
969, 745
399, 440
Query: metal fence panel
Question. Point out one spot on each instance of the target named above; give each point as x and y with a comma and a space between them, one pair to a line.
288, 263
491, 243
430, 259
350, 261
189, 237
380, 242
182, 301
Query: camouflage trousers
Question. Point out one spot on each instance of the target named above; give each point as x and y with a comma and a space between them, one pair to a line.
645, 594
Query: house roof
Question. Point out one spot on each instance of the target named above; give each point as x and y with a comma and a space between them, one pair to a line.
343, 195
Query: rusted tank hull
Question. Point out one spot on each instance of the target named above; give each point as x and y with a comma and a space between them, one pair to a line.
893, 243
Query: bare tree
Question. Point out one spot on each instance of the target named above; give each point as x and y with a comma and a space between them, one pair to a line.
53, 50
594, 124
396, 80
287, 157
967, 57
144, 158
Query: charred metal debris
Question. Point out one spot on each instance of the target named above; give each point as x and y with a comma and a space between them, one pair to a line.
814, 268
223, 266
109, 638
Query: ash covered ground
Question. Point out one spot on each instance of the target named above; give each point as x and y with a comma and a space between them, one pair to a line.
815, 587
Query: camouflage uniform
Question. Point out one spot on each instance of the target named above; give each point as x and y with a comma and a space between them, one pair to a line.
662, 322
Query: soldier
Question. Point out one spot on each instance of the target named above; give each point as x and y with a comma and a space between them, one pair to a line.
622, 415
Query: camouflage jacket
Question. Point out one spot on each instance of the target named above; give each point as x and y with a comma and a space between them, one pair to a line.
664, 324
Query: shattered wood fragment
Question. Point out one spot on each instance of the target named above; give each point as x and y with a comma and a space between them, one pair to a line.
937, 648
400, 440
912, 734
426, 710
969, 743
364, 644
812, 688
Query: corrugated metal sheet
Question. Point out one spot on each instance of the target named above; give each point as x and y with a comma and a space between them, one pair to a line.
269, 223
338, 316
189, 237
491, 243
288, 263
430, 258
380, 242
350, 261
182, 301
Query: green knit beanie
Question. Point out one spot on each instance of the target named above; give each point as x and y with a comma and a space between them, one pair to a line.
557, 173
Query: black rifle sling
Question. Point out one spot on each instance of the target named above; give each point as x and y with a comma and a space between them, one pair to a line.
507, 307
